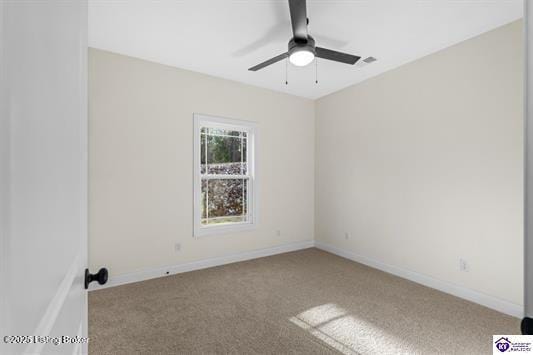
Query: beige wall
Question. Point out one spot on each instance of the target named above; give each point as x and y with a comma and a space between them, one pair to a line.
423, 166
141, 178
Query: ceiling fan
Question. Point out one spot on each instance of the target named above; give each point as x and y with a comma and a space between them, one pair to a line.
302, 49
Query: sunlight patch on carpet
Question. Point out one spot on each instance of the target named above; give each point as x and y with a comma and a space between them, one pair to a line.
346, 333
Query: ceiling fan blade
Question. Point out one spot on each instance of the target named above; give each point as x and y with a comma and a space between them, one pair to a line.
298, 9
336, 56
269, 62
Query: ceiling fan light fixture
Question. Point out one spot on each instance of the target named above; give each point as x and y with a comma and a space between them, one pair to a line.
302, 49
301, 58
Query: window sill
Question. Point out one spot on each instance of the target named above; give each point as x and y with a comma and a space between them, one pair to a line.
227, 229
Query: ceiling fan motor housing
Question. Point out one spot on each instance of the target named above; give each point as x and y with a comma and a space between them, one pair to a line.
298, 44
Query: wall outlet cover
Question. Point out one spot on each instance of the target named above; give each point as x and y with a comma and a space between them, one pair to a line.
463, 265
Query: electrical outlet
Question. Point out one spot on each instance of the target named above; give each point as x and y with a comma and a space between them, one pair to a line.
346, 235
278, 233
177, 247
463, 265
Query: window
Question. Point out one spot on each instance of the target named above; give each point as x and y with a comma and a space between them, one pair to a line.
224, 175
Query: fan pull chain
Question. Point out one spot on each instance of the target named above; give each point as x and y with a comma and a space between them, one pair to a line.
286, 71
316, 70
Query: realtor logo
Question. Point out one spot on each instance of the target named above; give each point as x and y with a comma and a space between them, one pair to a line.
510, 344
502, 344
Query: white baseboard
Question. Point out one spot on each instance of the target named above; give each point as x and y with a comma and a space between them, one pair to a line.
492, 302
201, 264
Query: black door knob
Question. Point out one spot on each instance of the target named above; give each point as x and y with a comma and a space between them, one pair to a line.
527, 326
100, 276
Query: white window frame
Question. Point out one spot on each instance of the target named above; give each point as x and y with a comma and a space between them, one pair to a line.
201, 120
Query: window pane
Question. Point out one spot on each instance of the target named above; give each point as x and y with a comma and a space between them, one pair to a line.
202, 151
203, 200
226, 152
244, 145
224, 201
222, 132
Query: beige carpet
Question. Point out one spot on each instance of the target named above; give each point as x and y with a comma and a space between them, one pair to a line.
305, 302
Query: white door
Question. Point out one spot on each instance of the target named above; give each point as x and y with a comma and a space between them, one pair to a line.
43, 175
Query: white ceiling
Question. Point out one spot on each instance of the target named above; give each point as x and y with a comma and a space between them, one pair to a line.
224, 38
